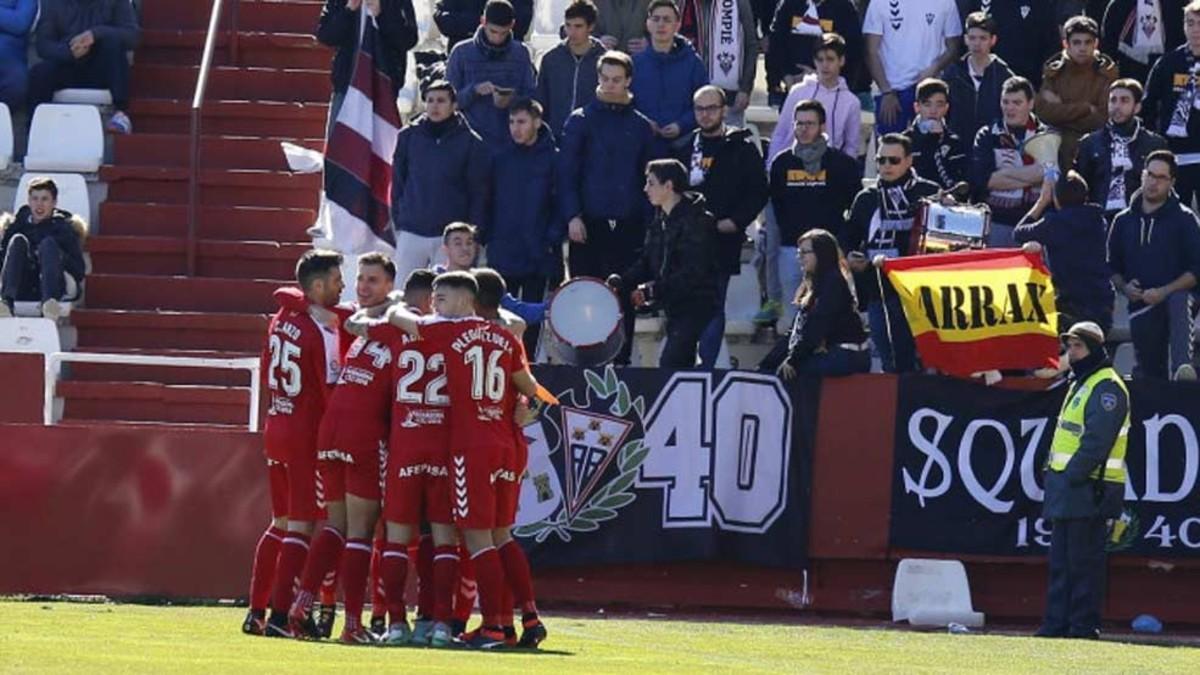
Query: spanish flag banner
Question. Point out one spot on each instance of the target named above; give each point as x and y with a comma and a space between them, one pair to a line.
971, 311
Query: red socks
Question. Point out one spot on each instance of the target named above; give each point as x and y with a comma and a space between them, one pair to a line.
378, 597
520, 581
445, 574
465, 589
425, 590
394, 572
320, 569
356, 560
287, 570
266, 554
490, 576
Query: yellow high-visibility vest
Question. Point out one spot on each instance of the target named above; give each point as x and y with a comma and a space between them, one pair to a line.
1071, 427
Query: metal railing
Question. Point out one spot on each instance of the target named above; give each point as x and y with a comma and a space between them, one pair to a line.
55, 360
206, 59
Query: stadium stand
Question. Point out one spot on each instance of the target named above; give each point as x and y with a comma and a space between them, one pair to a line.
72, 192
65, 137
6, 137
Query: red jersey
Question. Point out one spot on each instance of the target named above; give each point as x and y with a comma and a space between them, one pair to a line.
300, 365
419, 399
359, 408
480, 360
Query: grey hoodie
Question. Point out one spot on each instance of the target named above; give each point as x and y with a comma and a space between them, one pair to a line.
566, 82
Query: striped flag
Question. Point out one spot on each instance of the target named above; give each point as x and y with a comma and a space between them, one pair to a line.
972, 311
356, 205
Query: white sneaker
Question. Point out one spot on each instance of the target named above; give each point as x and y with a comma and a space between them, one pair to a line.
51, 309
1185, 373
397, 634
5, 311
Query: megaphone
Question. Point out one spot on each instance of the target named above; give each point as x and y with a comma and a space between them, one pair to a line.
1043, 147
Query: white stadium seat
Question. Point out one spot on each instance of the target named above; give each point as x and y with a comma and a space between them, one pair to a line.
65, 138
37, 336
6, 136
933, 593
98, 97
72, 192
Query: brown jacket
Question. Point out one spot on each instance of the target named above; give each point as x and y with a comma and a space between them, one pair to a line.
1083, 94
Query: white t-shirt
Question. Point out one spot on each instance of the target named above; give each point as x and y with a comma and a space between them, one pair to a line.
914, 34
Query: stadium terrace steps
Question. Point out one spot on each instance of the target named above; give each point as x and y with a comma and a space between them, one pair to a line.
235, 187
102, 329
272, 16
153, 402
229, 82
105, 372
167, 256
179, 47
233, 118
229, 223
187, 294
216, 152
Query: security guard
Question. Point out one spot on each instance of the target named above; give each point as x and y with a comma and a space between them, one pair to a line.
1085, 484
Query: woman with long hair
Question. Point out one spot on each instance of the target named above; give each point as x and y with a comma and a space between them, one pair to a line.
828, 336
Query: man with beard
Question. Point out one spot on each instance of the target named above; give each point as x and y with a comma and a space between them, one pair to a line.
1111, 159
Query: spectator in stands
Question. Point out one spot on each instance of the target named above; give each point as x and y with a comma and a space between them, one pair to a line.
41, 250
669, 73
880, 227
440, 175
726, 39
1001, 174
567, 74
939, 155
812, 185
338, 28
1137, 32
83, 43
1171, 102
460, 248
606, 145
797, 34
525, 230
1027, 33
459, 19
16, 17
827, 336
1074, 236
1154, 254
1075, 83
677, 269
907, 41
622, 24
976, 78
1111, 160
828, 86
489, 72
725, 165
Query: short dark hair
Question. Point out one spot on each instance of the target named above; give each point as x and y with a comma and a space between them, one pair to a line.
831, 42
1072, 190
457, 280
582, 9
440, 85
931, 86
810, 105
456, 227
613, 57
1165, 156
419, 281
499, 13
1131, 85
981, 20
380, 260
897, 139
1081, 24
316, 263
671, 170
655, 4
1017, 83
528, 106
43, 183
491, 287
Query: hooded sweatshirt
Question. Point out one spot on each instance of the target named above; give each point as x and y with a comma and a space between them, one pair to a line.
664, 82
475, 61
65, 228
1154, 248
523, 219
843, 112
1075, 245
16, 16
440, 174
566, 82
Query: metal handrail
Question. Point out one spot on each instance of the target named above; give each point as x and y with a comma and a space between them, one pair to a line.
210, 43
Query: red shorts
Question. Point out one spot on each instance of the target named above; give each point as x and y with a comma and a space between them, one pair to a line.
417, 486
475, 474
508, 482
294, 489
358, 471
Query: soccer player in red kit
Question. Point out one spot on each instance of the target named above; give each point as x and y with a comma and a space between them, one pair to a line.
352, 442
300, 364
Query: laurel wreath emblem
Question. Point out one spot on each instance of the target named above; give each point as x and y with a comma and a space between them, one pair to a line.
617, 493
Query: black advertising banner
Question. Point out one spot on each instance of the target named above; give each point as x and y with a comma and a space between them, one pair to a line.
968, 465
647, 465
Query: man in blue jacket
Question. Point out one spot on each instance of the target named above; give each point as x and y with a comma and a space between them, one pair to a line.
524, 231
440, 175
606, 145
16, 17
489, 72
668, 75
82, 44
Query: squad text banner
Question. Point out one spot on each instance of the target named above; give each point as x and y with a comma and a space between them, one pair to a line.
641, 465
978, 310
968, 469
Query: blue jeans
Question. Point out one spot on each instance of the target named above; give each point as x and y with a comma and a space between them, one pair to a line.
714, 332
892, 337
906, 97
790, 276
837, 362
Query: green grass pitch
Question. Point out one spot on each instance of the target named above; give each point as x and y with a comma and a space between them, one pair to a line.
112, 638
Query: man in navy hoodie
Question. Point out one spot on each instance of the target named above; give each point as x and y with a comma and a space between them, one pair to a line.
489, 72
668, 74
1154, 253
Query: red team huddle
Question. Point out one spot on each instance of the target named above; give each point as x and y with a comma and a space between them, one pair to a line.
411, 410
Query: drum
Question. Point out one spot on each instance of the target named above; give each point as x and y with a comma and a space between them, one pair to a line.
584, 318
938, 228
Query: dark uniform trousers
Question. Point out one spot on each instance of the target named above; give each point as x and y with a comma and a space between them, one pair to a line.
1077, 562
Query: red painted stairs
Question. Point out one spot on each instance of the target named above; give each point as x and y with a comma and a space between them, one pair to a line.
251, 226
